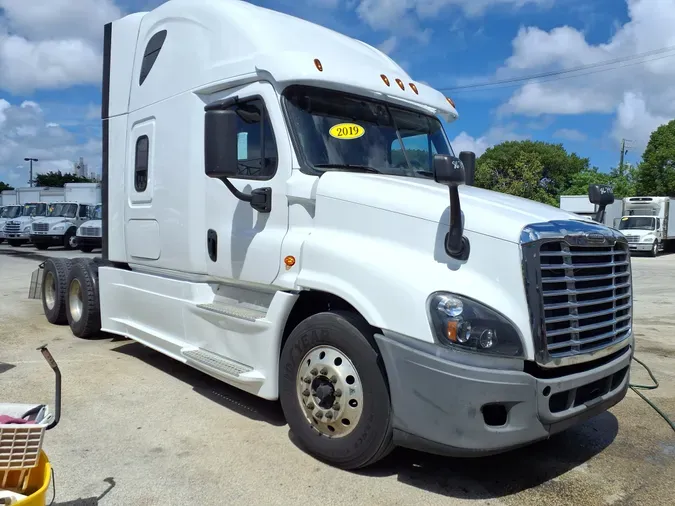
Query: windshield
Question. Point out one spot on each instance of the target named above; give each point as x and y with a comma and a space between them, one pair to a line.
637, 222
337, 131
63, 210
11, 212
34, 210
98, 213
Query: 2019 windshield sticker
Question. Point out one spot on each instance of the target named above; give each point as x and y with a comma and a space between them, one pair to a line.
346, 131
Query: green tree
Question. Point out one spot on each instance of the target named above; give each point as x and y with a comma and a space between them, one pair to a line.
57, 179
4, 186
656, 174
496, 169
622, 181
520, 176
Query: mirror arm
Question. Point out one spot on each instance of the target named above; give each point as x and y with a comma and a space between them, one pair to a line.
456, 244
259, 198
600, 215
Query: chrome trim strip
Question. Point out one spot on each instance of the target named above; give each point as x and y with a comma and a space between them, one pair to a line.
570, 233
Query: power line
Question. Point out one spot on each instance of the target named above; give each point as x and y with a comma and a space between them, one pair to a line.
497, 85
567, 71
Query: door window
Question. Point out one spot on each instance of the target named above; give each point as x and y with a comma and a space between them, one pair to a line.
256, 143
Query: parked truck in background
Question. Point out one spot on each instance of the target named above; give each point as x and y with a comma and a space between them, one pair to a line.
59, 227
17, 229
8, 212
51, 195
581, 205
648, 223
90, 234
282, 210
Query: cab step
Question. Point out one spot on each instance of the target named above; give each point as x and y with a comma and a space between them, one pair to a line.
234, 311
212, 363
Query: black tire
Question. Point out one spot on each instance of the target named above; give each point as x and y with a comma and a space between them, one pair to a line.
2, 239
371, 436
15, 243
655, 249
54, 282
86, 249
82, 300
68, 238
41, 246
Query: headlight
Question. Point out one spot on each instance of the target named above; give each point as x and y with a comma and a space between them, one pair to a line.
465, 324
649, 238
57, 228
26, 229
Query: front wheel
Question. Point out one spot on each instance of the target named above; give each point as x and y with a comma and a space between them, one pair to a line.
655, 249
333, 390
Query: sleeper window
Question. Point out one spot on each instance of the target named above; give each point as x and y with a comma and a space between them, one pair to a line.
141, 164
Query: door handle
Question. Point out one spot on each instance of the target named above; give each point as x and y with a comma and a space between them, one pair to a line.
212, 244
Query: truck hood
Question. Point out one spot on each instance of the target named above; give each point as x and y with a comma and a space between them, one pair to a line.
52, 220
485, 212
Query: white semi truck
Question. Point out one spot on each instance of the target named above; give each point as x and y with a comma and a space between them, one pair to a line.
59, 227
282, 210
8, 212
90, 234
647, 223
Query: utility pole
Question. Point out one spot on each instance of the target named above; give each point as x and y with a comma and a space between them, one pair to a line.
623, 152
31, 160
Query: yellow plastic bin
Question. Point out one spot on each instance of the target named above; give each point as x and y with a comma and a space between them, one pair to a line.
33, 482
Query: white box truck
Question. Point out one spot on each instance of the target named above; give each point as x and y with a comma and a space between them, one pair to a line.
8, 198
59, 227
51, 195
17, 230
90, 234
282, 210
579, 204
8, 209
647, 223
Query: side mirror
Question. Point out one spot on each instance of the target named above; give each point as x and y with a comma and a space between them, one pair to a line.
220, 143
468, 159
449, 171
220, 152
602, 196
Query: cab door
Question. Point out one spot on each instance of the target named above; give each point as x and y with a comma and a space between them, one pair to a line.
244, 244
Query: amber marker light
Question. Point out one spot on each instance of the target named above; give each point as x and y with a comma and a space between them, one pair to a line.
451, 331
400, 84
317, 62
385, 79
414, 88
289, 261
450, 101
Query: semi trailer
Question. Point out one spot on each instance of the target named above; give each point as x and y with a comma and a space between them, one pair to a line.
282, 210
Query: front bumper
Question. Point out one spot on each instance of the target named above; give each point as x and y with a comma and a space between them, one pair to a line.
84, 240
17, 235
46, 238
444, 407
640, 246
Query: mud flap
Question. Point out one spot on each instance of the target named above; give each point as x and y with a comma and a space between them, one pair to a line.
35, 290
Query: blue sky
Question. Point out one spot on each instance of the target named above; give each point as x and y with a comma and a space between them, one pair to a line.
50, 69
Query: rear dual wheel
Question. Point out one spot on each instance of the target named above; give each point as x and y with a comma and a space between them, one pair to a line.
333, 390
70, 295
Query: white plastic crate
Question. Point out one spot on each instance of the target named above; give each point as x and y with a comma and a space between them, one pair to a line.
20, 444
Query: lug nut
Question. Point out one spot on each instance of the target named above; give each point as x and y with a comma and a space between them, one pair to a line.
305, 392
313, 372
329, 415
324, 371
307, 379
310, 405
333, 379
338, 393
336, 406
319, 414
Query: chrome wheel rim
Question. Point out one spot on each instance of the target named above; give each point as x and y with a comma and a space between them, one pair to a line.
72, 240
50, 290
330, 392
75, 298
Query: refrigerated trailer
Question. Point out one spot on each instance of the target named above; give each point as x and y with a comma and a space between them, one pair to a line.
648, 223
282, 210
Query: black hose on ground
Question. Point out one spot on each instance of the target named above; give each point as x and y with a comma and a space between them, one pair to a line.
636, 388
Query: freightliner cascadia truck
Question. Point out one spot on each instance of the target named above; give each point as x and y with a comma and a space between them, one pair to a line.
282, 210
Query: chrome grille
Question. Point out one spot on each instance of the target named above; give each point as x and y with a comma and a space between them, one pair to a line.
90, 231
586, 295
13, 227
633, 238
41, 227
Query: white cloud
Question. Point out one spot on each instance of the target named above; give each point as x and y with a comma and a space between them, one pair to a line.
640, 97
52, 43
569, 134
495, 135
24, 132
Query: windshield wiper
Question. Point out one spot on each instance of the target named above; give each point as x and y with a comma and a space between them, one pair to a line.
348, 166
